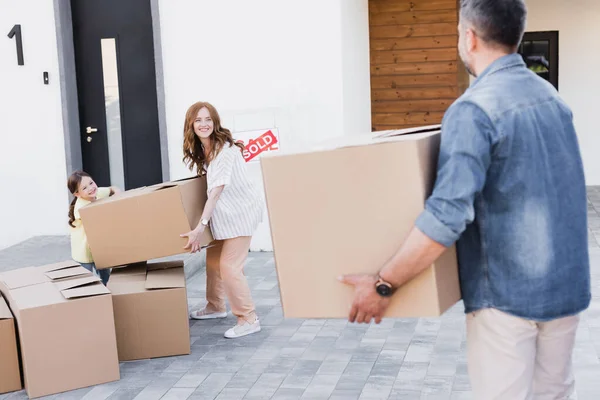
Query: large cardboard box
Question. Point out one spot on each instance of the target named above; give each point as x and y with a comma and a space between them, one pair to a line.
344, 207
66, 328
10, 375
146, 223
151, 311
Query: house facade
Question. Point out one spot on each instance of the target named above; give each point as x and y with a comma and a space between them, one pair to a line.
104, 86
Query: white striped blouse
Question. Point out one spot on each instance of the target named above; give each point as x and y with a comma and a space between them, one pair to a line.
239, 209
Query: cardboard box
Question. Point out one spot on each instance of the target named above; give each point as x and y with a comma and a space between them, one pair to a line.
66, 328
344, 207
143, 224
151, 310
10, 374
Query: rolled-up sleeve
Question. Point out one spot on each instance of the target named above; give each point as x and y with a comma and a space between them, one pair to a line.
220, 171
464, 159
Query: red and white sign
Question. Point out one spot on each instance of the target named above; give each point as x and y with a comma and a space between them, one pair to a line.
257, 142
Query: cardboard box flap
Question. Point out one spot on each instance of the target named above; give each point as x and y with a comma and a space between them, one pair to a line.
78, 282
129, 270
59, 266
164, 265
4, 310
118, 286
68, 273
22, 277
183, 181
174, 183
165, 278
407, 131
82, 287
93, 289
163, 186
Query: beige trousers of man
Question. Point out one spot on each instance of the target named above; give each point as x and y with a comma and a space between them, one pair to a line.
225, 276
511, 358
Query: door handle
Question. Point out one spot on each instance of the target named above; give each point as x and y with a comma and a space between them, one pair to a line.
89, 130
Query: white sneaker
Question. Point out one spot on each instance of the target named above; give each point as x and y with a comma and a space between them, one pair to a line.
242, 330
203, 314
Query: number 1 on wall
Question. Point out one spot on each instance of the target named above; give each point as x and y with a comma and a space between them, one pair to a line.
16, 30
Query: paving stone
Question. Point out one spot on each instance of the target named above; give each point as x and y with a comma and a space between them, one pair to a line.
313, 359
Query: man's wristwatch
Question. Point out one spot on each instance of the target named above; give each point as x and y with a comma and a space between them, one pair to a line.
383, 288
204, 222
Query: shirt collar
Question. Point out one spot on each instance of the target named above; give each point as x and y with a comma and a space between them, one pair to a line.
507, 61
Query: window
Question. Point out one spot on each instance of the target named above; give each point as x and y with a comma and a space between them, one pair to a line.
540, 52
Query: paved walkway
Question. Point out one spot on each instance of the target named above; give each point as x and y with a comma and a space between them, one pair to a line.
314, 359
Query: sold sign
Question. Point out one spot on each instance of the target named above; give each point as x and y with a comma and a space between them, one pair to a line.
257, 142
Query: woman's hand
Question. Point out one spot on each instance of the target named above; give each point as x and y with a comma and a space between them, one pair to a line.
194, 239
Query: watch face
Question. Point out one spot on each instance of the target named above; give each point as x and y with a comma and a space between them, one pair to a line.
384, 290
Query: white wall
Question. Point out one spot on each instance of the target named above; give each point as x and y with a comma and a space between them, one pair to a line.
578, 23
302, 67
34, 198
356, 66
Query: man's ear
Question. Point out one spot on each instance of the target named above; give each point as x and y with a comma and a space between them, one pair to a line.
472, 40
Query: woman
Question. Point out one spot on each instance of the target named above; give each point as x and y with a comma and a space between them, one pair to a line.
234, 209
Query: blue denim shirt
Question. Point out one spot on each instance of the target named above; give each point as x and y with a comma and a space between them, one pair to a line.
510, 188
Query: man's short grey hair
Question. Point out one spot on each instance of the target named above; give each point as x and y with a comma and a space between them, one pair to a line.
497, 22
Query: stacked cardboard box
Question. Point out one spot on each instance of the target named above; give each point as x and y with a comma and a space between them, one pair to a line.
344, 207
149, 300
66, 327
151, 312
10, 377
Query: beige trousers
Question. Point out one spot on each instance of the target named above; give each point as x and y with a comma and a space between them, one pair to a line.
225, 276
511, 358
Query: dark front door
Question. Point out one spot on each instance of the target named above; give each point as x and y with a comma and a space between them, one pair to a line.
116, 83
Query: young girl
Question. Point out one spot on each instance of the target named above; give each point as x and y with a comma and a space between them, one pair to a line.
234, 209
85, 190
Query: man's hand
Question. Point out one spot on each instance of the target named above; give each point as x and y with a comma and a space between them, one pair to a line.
367, 304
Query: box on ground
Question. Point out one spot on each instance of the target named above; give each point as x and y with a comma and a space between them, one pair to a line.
151, 311
66, 327
344, 207
146, 223
10, 374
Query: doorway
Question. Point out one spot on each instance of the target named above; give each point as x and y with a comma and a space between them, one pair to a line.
117, 95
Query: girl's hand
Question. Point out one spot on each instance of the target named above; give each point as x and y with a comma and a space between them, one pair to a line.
194, 239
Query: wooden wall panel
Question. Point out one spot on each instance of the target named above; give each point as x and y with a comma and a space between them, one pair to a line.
415, 69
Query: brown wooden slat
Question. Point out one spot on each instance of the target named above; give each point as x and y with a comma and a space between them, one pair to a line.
408, 118
387, 6
440, 67
413, 17
415, 70
415, 30
393, 82
400, 106
425, 42
399, 56
414, 93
